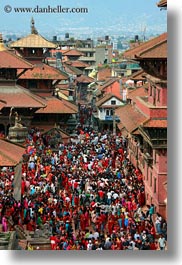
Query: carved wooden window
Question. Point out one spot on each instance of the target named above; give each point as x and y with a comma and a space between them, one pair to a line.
151, 89
155, 184
150, 179
158, 95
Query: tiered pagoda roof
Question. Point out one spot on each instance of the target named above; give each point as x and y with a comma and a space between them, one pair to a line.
33, 40
44, 71
8, 59
19, 97
59, 106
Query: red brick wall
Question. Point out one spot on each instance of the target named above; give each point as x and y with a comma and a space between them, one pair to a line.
151, 112
114, 88
158, 172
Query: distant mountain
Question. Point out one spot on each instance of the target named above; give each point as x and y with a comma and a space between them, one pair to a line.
117, 16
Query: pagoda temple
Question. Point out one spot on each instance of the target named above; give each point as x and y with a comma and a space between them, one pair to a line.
43, 79
13, 97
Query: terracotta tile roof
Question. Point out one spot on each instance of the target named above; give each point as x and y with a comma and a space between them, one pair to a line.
19, 97
108, 83
71, 69
84, 79
9, 59
139, 75
162, 3
58, 130
147, 46
33, 41
103, 73
73, 52
138, 92
59, 106
44, 71
155, 123
157, 51
106, 98
77, 64
2, 104
10, 154
131, 118
63, 86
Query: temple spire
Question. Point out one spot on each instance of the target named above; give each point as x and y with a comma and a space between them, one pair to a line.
33, 29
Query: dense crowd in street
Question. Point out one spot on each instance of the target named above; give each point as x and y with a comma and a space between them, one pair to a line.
87, 193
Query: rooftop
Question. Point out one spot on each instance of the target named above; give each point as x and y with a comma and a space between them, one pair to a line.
106, 98
162, 3
109, 82
33, 40
71, 69
19, 97
10, 154
59, 106
77, 63
8, 59
138, 92
148, 48
155, 123
84, 79
44, 71
73, 52
138, 76
131, 118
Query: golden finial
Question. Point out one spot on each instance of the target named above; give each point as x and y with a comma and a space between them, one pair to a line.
33, 29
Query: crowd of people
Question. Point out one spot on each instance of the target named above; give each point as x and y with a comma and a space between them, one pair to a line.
85, 191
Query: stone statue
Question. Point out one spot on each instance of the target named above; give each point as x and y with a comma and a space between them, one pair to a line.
17, 121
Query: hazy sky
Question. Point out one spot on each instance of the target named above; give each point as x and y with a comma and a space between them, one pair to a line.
116, 14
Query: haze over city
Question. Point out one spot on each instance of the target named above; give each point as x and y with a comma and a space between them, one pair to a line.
116, 17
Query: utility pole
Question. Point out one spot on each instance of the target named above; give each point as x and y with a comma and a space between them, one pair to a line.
114, 122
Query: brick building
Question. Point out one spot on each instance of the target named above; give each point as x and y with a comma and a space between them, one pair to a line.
144, 120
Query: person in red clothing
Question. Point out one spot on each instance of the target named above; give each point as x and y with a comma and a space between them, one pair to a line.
82, 222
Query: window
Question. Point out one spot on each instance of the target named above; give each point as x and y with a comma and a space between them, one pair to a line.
113, 102
70, 93
32, 84
147, 174
151, 88
158, 95
150, 179
155, 185
155, 157
107, 112
111, 112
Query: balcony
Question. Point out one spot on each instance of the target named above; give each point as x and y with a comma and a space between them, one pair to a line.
147, 157
110, 118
